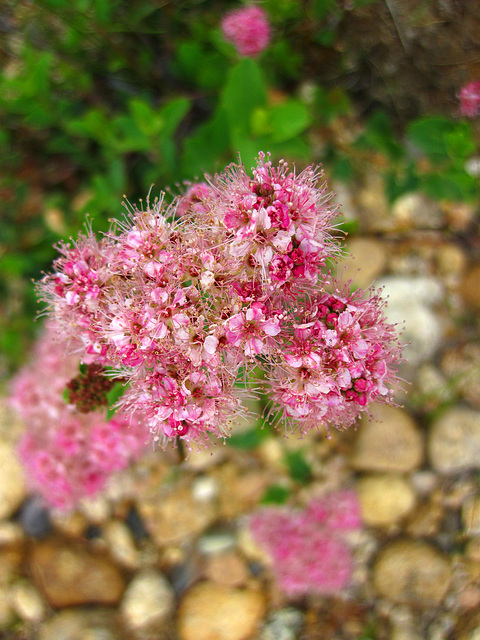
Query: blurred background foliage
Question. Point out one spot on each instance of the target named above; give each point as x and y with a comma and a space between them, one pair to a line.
101, 98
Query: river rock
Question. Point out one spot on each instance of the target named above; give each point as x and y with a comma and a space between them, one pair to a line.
365, 261
391, 442
471, 516
148, 602
417, 211
461, 366
121, 544
12, 485
385, 499
214, 612
175, 515
69, 574
410, 305
412, 572
27, 602
469, 289
227, 569
82, 624
454, 440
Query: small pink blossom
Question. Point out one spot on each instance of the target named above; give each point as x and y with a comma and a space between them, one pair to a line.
308, 551
248, 29
470, 99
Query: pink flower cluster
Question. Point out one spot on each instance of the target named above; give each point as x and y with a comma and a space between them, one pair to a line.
68, 455
470, 99
248, 29
184, 301
308, 552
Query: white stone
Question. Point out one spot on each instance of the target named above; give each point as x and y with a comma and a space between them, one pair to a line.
27, 602
148, 601
409, 305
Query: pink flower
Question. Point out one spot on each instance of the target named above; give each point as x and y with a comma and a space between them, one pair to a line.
248, 29
68, 455
307, 548
470, 99
180, 300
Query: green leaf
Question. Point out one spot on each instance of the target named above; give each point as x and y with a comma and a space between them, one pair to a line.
429, 134
457, 186
115, 393
460, 142
249, 439
173, 113
298, 467
288, 120
379, 136
321, 8
275, 494
243, 92
206, 146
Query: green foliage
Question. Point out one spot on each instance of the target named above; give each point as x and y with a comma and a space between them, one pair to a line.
275, 494
298, 467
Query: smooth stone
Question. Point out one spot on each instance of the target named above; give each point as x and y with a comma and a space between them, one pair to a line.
469, 289
148, 602
82, 624
391, 442
27, 602
468, 627
451, 260
385, 499
410, 302
240, 489
35, 518
227, 569
461, 366
417, 211
68, 574
283, 624
471, 516
121, 544
365, 261
175, 515
454, 440
213, 612
371, 201
412, 572
10, 562
12, 482
7, 614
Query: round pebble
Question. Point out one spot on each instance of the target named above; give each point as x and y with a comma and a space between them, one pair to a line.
214, 612
385, 499
412, 572
390, 443
148, 601
454, 441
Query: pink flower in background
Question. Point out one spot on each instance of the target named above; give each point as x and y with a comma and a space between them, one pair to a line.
470, 99
308, 551
68, 455
248, 29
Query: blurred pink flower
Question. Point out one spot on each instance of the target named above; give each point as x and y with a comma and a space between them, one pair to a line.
248, 29
470, 99
67, 455
308, 552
